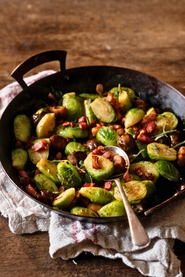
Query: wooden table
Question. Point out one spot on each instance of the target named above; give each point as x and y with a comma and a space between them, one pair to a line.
148, 36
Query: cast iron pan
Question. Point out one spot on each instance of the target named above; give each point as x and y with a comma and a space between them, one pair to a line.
82, 79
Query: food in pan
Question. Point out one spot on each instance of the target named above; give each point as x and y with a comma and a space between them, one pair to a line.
60, 157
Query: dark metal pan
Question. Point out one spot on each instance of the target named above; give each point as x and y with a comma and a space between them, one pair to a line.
156, 92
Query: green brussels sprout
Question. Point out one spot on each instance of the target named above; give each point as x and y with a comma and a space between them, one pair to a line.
133, 116
72, 132
64, 199
114, 208
46, 125
83, 212
168, 170
96, 195
106, 167
147, 168
124, 100
160, 151
149, 111
74, 106
34, 156
131, 132
49, 169
19, 158
135, 191
44, 183
143, 148
22, 128
74, 146
103, 110
117, 90
165, 121
107, 136
69, 175
88, 111
89, 96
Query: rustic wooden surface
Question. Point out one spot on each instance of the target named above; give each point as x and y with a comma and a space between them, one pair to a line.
148, 36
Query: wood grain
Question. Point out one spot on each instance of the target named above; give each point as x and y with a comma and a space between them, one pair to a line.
148, 36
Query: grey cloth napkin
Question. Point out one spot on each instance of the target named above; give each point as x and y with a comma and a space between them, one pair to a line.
69, 238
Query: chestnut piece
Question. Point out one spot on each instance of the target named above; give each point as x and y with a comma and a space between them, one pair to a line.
141, 104
181, 156
126, 142
92, 144
175, 138
58, 143
76, 157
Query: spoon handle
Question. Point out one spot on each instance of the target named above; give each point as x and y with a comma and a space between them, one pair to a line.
138, 233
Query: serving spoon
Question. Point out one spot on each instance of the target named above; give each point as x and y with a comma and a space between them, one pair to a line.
137, 231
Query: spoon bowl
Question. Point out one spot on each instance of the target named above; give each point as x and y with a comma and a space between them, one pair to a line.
137, 231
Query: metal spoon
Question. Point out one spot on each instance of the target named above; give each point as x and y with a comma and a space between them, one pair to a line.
138, 233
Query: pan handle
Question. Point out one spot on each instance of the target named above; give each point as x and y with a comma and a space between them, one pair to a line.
34, 61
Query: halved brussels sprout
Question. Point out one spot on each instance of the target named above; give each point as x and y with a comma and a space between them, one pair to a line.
89, 96
143, 148
75, 146
147, 170
107, 136
96, 195
88, 111
68, 175
49, 169
103, 110
74, 106
83, 212
114, 208
46, 125
133, 116
44, 183
22, 128
160, 151
165, 122
64, 199
168, 170
116, 91
36, 156
72, 132
106, 167
125, 101
136, 190
19, 158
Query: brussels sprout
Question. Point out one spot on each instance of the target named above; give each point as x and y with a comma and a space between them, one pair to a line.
44, 183
19, 158
143, 148
83, 212
124, 100
72, 132
36, 156
117, 90
135, 191
94, 207
49, 169
64, 199
96, 195
68, 175
107, 136
168, 170
149, 111
106, 167
22, 128
74, 106
148, 170
89, 96
114, 208
160, 151
88, 111
130, 131
46, 125
41, 110
165, 122
74, 146
103, 110
133, 116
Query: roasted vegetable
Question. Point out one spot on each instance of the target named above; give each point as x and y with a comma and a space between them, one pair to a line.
133, 116
74, 106
114, 208
160, 151
83, 212
103, 110
107, 136
64, 199
72, 132
46, 125
44, 183
49, 169
145, 170
96, 195
75, 146
168, 170
22, 128
19, 158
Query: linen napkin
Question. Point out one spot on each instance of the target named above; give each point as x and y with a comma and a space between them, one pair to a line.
68, 238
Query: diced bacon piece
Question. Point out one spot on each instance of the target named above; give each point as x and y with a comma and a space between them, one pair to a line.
110, 98
143, 137
40, 145
127, 177
107, 155
107, 185
89, 185
151, 127
25, 179
138, 171
151, 117
95, 163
